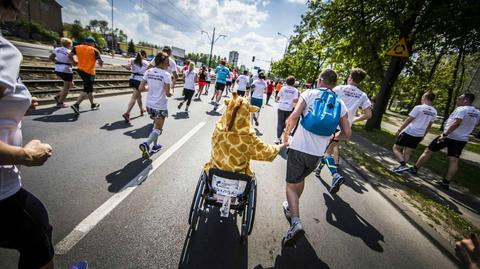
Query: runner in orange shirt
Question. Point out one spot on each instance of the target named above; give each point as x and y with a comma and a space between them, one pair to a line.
87, 56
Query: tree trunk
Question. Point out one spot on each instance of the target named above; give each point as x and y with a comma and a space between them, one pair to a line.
394, 69
446, 111
381, 100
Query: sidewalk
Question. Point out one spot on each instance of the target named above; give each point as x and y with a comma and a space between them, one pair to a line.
457, 198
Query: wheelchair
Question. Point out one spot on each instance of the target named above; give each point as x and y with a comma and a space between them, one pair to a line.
230, 192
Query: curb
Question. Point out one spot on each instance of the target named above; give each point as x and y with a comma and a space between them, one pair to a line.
433, 236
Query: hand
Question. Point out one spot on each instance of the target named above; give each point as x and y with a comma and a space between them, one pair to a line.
37, 153
33, 105
468, 251
398, 133
442, 138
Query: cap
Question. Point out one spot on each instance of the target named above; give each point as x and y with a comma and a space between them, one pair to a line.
167, 48
90, 39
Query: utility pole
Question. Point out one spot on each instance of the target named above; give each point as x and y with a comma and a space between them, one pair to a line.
211, 48
213, 41
113, 36
29, 21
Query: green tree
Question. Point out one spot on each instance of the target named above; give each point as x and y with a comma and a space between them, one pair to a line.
131, 46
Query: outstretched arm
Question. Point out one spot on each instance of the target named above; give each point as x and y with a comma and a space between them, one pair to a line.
261, 151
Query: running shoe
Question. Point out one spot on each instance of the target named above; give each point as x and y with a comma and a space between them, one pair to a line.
61, 105
143, 110
186, 109
413, 170
126, 116
286, 211
76, 109
215, 106
95, 106
278, 141
155, 149
180, 105
293, 234
337, 181
145, 148
56, 98
80, 265
444, 184
206, 92
400, 169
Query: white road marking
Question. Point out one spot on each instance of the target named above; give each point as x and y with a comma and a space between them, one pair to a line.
86, 225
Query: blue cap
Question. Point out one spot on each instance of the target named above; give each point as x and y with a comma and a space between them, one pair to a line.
90, 39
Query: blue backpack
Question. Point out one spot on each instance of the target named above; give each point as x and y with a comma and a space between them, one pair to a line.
323, 117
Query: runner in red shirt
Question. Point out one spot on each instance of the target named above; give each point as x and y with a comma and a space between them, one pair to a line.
269, 90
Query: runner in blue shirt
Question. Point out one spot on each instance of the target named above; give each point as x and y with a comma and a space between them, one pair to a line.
221, 73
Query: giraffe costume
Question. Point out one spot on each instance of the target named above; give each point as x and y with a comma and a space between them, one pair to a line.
234, 142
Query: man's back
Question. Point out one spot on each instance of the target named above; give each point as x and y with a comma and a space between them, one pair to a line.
469, 116
222, 73
353, 98
86, 57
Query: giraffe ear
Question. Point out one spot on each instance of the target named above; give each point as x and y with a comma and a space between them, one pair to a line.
227, 101
253, 109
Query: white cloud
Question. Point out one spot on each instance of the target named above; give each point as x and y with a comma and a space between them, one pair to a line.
297, 1
163, 24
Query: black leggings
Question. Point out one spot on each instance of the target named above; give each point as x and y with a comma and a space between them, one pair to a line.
282, 117
26, 228
188, 95
268, 96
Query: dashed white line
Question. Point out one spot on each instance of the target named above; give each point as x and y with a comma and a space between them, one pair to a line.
86, 225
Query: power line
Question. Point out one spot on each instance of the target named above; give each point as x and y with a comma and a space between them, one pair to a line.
186, 16
172, 21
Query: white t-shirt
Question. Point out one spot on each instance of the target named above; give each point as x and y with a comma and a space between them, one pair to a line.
63, 64
13, 105
306, 141
230, 77
172, 66
138, 71
242, 83
424, 115
353, 98
259, 88
156, 79
190, 79
286, 97
469, 116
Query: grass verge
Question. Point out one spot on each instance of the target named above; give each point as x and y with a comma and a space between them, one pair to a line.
456, 226
467, 172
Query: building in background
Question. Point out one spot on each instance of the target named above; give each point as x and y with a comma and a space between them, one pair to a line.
48, 13
233, 58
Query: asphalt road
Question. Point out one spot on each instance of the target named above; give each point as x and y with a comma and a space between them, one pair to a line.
44, 51
96, 155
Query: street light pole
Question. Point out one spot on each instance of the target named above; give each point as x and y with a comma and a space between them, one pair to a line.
113, 36
213, 41
288, 42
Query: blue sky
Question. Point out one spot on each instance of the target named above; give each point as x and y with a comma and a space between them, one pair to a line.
251, 26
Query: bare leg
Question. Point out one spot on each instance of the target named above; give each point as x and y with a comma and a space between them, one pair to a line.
407, 152
397, 151
81, 97
452, 167
67, 85
139, 102
424, 157
158, 123
219, 96
294, 191
131, 103
90, 97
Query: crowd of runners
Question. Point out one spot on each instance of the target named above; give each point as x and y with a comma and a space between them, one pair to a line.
27, 228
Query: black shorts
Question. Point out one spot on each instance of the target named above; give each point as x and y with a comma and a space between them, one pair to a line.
241, 93
409, 141
134, 83
88, 80
26, 228
219, 86
229, 83
300, 165
454, 147
65, 76
208, 82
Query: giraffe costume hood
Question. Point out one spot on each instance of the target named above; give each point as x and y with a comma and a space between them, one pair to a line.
234, 142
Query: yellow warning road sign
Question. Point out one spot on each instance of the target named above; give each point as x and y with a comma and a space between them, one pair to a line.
399, 49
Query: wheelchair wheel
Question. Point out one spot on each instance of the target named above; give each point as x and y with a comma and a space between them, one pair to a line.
196, 203
252, 203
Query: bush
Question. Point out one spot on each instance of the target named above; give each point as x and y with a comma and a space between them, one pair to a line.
21, 28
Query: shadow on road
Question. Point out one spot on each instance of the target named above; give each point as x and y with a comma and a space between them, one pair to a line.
43, 111
141, 132
302, 256
214, 244
356, 184
181, 115
69, 117
121, 124
122, 177
213, 113
341, 215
